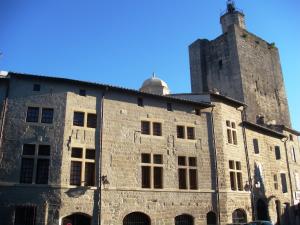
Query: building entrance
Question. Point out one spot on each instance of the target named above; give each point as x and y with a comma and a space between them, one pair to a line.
77, 219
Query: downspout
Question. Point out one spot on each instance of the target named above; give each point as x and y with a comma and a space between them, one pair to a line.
3, 114
216, 165
99, 157
285, 139
248, 163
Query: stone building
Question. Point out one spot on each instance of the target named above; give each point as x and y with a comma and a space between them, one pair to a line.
81, 153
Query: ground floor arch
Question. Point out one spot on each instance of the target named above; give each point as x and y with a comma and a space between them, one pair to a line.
184, 219
136, 218
239, 216
77, 219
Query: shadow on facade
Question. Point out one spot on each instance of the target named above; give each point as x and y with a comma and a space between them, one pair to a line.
286, 214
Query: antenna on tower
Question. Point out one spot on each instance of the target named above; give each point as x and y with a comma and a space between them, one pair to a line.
230, 6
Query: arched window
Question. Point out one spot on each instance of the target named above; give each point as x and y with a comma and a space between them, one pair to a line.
211, 218
136, 218
184, 219
239, 216
77, 219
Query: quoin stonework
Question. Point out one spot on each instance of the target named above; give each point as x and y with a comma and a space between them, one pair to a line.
81, 153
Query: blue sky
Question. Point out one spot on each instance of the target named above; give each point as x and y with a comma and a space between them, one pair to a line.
122, 42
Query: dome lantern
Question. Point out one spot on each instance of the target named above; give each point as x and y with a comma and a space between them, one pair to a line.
154, 85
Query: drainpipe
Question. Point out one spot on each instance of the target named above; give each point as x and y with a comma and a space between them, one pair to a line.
99, 157
248, 163
285, 139
216, 165
3, 114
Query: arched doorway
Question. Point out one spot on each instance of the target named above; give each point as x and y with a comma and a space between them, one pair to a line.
77, 219
136, 218
239, 216
262, 210
184, 219
211, 218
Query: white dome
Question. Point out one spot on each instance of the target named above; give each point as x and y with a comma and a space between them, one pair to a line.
154, 85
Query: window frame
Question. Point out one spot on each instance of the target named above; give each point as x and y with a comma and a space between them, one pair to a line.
231, 130
256, 146
36, 158
140, 102
152, 166
284, 184
46, 117
83, 160
85, 113
187, 168
27, 114
275, 181
170, 107
151, 130
40, 117
277, 152
235, 175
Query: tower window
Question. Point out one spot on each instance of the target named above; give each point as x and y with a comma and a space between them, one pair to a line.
140, 102
220, 64
256, 146
82, 92
169, 107
36, 87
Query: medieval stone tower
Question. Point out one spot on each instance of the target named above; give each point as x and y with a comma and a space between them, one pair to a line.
242, 66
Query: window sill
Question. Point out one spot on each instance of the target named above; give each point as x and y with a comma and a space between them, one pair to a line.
83, 187
233, 145
83, 128
39, 124
185, 139
152, 136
